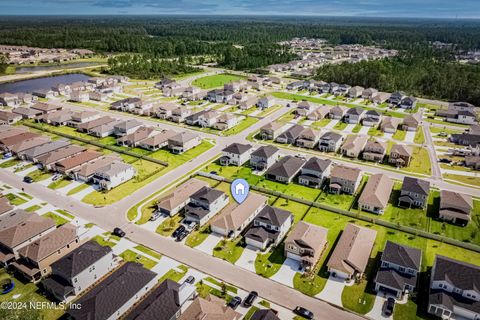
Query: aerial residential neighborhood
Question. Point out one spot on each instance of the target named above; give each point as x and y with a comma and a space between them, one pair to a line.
239, 162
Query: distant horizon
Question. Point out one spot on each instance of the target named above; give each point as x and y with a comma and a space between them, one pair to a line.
420, 9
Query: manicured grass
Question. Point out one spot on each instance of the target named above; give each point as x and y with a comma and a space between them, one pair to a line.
419, 136
204, 290
25, 167
60, 183
228, 288
406, 311
77, 189
268, 111
129, 255
149, 251
250, 313
26, 292
438, 121
474, 181
9, 163
267, 264
169, 225
65, 213
244, 124
265, 304
175, 274
228, 250
15, 200
197, 237
321, 123
375, 132
399, 135
215, 81
39, 175
89, 225
357, 128
33, 208
342, 201
420, 162
357, 299
58, 220
25, 195
438, 130
101, 241
340, 126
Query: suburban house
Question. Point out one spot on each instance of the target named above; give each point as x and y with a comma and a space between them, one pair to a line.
19, 228
454, 289
290, 135
400, 155
396, 97
271, 130
87, 126
314, 172
264, 157
72, 163
177, 199
56, 118
376, 194
408, 103
354, 115
319, 113
472, 162
355, 92
380, 97
374, 150
9, 100
27, 144
44, 107
330, 142
165, 110
308, 138
79, 270
350, 256
204, 118
266, 102
79, 96
128, 104
164, 302
5, 206
344, 179
459, 112
285, 169
113, 175
11, 141
9, 117
414, 193
399, 268
247, 103
236, 217
48, 159
411, 122
235, 154
133, 139
225, 121
157, 141
86, 171
204, 204
116, 294
264, 314
33, 153
303, 108
353, 145
27, 113
126, 127
372, 118
106, 129
269, 227
369, 93
390, 124
337, 112
455, 207
209, 307
35, 259
78, 118
306, 243
183, 142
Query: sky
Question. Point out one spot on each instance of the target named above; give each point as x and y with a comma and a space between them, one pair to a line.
355, 8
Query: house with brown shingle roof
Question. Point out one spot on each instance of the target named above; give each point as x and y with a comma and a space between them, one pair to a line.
87, 126
183, 141
353, 145
390, 124
46, 107
374, 150
5, 205
72, 163
376, 194
133, 139
9, 141
9, 117
235, 217
271, 130
210, 307
350, 256
455, 207
411, 122
400, 155
158, 140
344, 179
35, 258
178, 198
306, 243
27, 144
47, 160
19, 228
86, 171
308, 138
9, 131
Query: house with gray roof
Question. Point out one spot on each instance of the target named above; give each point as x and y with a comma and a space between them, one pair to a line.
455, 207
414, 193
337, 112
113, 174
354, 115
235, 154
314, 172
173, 202
372, 118
126, 127
344, 179
104, 130
116, 294
271, 130
264, 314
411, 122
399, 269
290, 135
79, 270
183, 141
308, 138
454, 289
264, 157
285, 169
204, 204
330, 142
32, 154
269, 227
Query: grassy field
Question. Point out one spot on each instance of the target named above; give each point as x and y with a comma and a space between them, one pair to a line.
215, 81
106, 243
78, 189
14, 199
174, 274
228, 250
419, 136
60, 183
129, 255
399, 135
420, 162
39, 175
197, 237
244, 124
58, 220
149, 251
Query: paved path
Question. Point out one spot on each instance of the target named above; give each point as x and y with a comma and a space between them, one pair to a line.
332, 292
286, 272
209, 243
247, 259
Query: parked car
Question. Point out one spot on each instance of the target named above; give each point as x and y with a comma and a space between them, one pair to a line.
27, 179
192, 226
177, 231
155, 215
181, 235
235, 302
190, 279
56, 177
119, 232
7, 155
301, 311
388, 306
445, 160
250, 299
213, 172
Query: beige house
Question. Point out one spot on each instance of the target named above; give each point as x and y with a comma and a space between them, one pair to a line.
376, 194
344, 179
271, 130
390, 124
235, 217
353, 145
352, 252
178, 198
374, 150
306, 243
308, 138
411, 122
209, 308
400, 155
455, 207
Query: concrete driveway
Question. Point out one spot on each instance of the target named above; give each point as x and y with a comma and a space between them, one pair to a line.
286, 272
331, 124
247, 259
349, 128
209, 243
377, 309
364, 130
332, 292
69, 187
410, 136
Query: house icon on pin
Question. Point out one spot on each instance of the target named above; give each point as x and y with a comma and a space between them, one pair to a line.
240, 189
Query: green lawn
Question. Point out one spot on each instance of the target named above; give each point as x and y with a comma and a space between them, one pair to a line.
356, 298
33, 208
420, 162
419, 136
228, 250
321, 123
65, 213
197, 237
357, 128
9, 163
474, 181
169, 225
14, 199
129, 255
375, 132
77, 189
58, 220
175, 274
244, 124
250, 313
149, 251
215, 81
399, 135
60, 183
39, 175
101, 240
340, 126
267, 264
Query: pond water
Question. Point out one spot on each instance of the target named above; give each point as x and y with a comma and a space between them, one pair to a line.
23, 70
41, 83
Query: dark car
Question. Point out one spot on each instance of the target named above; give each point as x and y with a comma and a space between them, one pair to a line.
388, 306
190, 279
301, 311
213, 172
119, 232
234, 303
155, 215
445, 160
181, 235
177, 231
250, 299
27, 179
